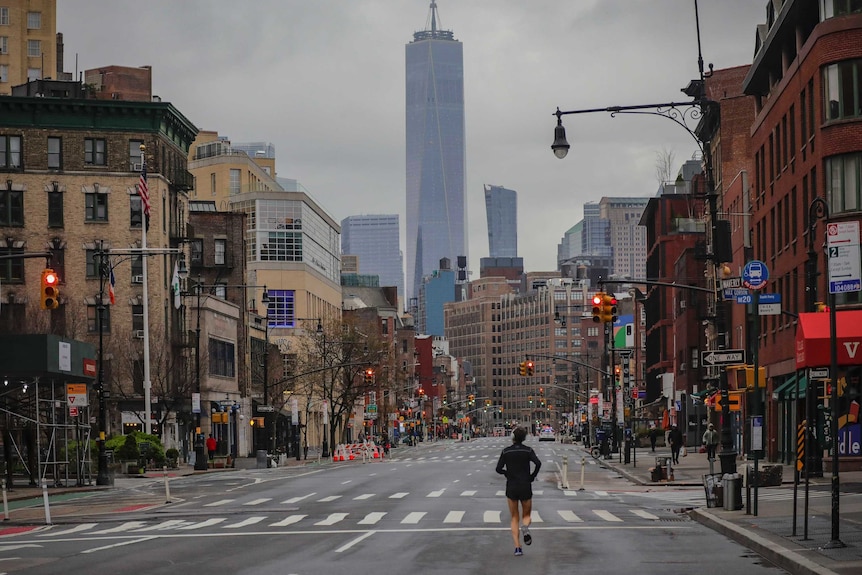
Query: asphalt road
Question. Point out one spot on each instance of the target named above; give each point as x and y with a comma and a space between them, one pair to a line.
436, 508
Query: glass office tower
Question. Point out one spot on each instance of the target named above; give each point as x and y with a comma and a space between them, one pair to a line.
375, 239
436, 208
501, 210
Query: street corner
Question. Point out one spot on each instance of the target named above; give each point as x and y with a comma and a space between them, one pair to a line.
11, 531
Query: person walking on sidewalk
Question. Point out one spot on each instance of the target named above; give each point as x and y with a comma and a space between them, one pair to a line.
514, 463
675, 438
710, 440
212, 444
653, 436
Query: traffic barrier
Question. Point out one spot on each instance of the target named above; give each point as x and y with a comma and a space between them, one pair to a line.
338, 453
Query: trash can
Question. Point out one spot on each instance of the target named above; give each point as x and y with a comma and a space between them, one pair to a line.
262, 459
732, 487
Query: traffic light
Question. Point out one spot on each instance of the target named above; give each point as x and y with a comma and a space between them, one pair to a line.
821, 307
522, 368
50, 290
531, 368
369, 375
609, 309
597, 307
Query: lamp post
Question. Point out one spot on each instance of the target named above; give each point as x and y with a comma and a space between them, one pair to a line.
200, 453
706, 112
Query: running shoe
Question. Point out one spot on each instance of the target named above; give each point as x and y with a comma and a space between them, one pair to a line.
525, 531
518, 552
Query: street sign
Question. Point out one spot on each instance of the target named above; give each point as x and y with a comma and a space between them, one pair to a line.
769, 309
73, 411
728, 283
818, 373
722, 357
845, 268
371, 408
754, 274
732, 293
76, 394
265, 409
763, 298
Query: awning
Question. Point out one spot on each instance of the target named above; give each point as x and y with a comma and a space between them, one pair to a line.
813, 342
787, 390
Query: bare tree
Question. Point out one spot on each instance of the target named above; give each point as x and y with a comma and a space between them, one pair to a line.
664, 162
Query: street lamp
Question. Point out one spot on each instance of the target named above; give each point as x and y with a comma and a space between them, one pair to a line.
706, 111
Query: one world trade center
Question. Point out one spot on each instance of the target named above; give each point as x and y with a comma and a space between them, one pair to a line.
436, 209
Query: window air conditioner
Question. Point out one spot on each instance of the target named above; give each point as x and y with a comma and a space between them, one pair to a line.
139, 334
139, 279
136, 166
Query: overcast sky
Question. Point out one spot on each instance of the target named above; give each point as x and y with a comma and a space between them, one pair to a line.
323, 80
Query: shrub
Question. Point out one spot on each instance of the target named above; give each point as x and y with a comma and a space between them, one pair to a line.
129, 450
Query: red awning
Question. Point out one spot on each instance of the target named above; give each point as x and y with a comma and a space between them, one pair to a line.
813, 342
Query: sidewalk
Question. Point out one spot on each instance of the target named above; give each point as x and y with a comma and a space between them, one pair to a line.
770, 532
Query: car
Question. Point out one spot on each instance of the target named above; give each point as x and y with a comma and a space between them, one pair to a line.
547, 434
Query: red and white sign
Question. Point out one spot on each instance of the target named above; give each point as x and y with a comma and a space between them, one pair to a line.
90, 367
76, 394
73, 411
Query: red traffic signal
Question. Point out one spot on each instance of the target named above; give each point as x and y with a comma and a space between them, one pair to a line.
50, 290
531, 368
597, 307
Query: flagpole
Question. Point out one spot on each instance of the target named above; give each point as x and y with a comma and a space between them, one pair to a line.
145, 202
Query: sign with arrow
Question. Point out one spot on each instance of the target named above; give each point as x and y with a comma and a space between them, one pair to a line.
722, 357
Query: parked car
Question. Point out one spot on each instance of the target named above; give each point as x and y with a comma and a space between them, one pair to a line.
547, 434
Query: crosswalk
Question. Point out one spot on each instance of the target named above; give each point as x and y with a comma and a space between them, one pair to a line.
488, 517
697, 497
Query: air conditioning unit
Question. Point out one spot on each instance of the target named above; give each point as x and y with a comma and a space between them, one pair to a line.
138, 279
682, 367
136, 167
682, 304
139, 334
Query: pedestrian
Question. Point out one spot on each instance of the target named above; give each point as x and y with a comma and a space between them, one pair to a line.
211, 445
514, 463
653, 436
710, 440
675, 439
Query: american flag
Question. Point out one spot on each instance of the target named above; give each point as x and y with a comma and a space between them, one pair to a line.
144, 189
111, 296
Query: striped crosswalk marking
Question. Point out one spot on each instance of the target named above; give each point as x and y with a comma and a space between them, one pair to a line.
491, 517
297, 499
329, 498
363, 496
399, 495
644, 514
500, 493
120, 528
289, 520
569, 516
169, 524
454, 517
332, 519
413, 517
437, 493
602, 493
219, 502
534, 517
468, 493
569, 493
202, 524
258, 501
76, 529
606, 515
244, 522
372, 518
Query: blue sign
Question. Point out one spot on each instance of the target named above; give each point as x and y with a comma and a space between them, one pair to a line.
764, 298
755, 274
733, 293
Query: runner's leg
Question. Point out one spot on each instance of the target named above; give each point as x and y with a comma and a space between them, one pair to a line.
515, 522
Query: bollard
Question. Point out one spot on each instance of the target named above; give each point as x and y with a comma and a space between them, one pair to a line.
583, 466
47, 507
565, 472
167, 485
5, 503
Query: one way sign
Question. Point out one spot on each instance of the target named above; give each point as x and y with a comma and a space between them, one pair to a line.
722, 357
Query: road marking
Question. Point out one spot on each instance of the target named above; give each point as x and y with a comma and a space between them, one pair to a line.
491, 517
569, 516
76, 529
437, 493
606, 515
297, 499
244, 522
258, 501
539, 492
454, 517
601, 493
120, 544
363, 496
468, 493
328, 499
569, 493
346, 482
372, 518
202, 524
399, 495
534, 517
219, 502
289, 520
500, 493
120, 528
332, 519
163, 525
350, 544
413, 517
644, 514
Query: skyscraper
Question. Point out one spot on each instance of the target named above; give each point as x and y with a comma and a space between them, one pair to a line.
436, 210
501, 209
375, 240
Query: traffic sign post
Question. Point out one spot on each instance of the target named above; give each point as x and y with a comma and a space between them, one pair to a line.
755, 274
845, 268
722, 357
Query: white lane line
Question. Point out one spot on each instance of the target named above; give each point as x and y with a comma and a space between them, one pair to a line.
244, 522
329, 498
413, 517
601, 493
538, 492
346, 482
500, 493
350, 544
372, 518
569, 516
363, 496
570, 493
297, 499
289, 520
468, 493
163, 525
332, 519
120, 528
258, 501
606, 515
454, 517
491, 517
399, 495
644, 514
76, 529
120, 544
202, 524
219, 502
437, 493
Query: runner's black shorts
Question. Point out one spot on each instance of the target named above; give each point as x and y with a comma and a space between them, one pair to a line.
519, 492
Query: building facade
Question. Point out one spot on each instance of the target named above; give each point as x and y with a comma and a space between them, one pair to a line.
501, 211
375, 241
28, 43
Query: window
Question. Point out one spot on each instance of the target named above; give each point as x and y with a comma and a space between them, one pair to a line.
92, 263
280, 310
137, 266
34, 48
220, 291
10, 152
219, 252
55, 209
212, 184
11, 208
222, 360
832, 8
34, 20
4, 44
235, 181
842, 182
34, 74
135, 155
137, 317
136, 211
93, 319
96, 207
197, 252
55, 147
94, 151
4, 73
12, 270
4, 16
842, 86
